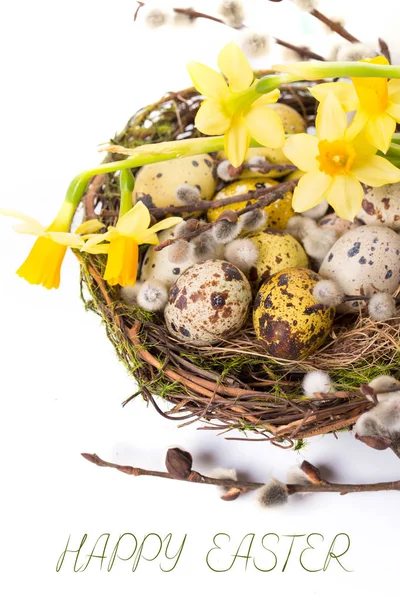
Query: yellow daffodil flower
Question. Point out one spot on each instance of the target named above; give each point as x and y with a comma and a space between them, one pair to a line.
376, 100
43, 264
335, 163
235, 109
121, 243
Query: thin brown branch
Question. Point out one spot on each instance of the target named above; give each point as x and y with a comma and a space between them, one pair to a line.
302, 51
384, 48
320, 485
334, 26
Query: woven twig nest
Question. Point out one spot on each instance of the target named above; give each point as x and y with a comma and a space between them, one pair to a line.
234, 385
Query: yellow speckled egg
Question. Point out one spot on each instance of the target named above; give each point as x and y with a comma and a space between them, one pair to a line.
286, 317
278, 212
292, 121
276, 251
156, 184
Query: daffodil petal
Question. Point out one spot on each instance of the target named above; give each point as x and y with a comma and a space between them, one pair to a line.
207, 81
65, 239
236, 141
311, 190
376, 171
345, 196
302, 149
394, 90
331, 121
265, 126
164, 224
98, 249
29, 229
9, 212
211, 118
135, 221
393, 110
269, 98
358, 122
342, 90
93, 240
91, 226
379, 131
236, 68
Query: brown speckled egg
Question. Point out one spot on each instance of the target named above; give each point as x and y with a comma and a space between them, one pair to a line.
156, 184
362, 261
286, 317
276, 251
209, 302
381, 206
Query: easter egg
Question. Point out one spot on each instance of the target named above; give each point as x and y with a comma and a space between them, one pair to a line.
292, 120
363, 261
157, 183
287, 319
278, 213
381, 206
276, 251
209, 302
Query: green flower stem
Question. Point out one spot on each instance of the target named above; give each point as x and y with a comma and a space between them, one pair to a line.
271, 82
394, 150
396, 138
126, 184
145, 155
319, 70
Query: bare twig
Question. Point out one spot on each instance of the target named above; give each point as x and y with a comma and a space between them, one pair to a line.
317, 484
334, 26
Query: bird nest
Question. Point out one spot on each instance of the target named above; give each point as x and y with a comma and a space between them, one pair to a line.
234, 385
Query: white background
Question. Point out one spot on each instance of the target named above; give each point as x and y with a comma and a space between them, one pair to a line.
72, 74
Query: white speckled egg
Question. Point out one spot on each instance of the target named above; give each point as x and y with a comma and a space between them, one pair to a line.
381, 206
362, 261
156, 265
156, 184
210, 301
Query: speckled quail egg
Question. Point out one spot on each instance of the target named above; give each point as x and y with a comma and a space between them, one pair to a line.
209, 302
362, 261
276, 251
156, 184
335, 223
278, 213
381, 206
272, 155
157, 266
286, 317
292, 121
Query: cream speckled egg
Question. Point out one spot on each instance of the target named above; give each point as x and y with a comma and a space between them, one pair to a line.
286, 317
276, 251
156, 184
292, 120
210, 301
362, 261
335, 223
381, 206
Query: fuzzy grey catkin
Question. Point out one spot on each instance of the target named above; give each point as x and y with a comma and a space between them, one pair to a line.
274, 493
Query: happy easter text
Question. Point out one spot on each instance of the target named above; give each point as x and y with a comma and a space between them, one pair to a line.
267, 552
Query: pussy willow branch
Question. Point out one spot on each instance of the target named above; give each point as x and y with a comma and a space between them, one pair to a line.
263, 194
266, 197
334, 26
248, 486
303, 52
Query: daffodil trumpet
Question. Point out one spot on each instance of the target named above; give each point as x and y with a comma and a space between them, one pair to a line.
312, 70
